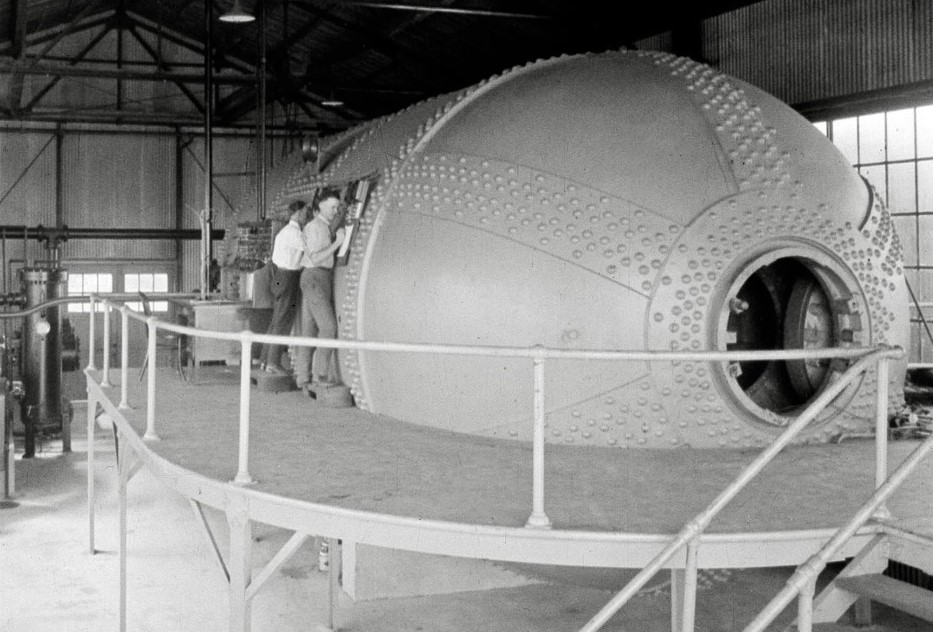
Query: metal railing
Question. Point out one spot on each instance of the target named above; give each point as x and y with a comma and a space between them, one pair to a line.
803, 582
688, 538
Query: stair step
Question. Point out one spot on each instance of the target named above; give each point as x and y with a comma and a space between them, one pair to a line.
891, 592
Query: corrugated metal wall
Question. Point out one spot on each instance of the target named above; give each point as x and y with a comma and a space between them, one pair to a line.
27, 178
125, 181
808, 50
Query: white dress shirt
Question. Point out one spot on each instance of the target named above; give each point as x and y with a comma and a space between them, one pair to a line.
288, 248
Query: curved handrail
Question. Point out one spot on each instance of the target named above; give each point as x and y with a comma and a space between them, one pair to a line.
689, 537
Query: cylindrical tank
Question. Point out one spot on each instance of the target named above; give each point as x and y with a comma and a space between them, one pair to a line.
43, 396
629, 200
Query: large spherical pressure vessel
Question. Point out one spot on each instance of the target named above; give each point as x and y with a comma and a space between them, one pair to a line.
629, 200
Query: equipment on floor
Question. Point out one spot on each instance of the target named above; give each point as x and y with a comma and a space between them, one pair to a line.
331, 395
273, 382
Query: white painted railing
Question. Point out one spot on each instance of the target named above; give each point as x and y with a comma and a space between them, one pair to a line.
686, 543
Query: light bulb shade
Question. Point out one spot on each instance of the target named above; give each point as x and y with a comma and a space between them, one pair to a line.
237, 15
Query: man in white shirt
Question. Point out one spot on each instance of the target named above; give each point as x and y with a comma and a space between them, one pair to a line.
287, 252
318, 317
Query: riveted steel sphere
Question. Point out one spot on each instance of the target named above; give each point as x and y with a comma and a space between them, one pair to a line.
628, 201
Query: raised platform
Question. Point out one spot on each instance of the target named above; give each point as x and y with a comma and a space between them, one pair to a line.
349, 459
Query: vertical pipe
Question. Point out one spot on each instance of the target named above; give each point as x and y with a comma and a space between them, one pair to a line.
124, 357
59, 186
208, 214
538, 518
261, 163
106, 346
881, 428
688, 615
91, 414
66, 431
90, 336
11, 471
179, 208
6, 440
151, 434
242, 475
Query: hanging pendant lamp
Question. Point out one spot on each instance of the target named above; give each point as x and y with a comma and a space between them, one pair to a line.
236, 14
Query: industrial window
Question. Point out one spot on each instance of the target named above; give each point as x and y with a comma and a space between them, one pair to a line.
893, 150
84, 284
146, 282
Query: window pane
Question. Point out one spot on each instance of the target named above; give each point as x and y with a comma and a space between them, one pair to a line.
907, 232
925, 184
136, 306
925, 131
145, 282
876, 177
160, 306
845, 137
105, 283
926, 242
90, 283
130, 282
820, 125
74, 284
160, 283
902, 188
901, 134
75, 307
871, 138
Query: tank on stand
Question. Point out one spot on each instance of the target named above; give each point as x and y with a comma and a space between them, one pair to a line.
42, 360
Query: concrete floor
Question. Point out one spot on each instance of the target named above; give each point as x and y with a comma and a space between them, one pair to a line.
49, 581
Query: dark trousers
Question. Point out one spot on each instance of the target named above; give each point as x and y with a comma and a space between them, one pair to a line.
286, 294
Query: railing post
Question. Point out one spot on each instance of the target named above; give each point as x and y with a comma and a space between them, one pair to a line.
105, 381
90, 337
538, 519
805, 606
91, 423
881, 429
246, 358
151, 434
123, 464
124, 357
689, 598
239, 563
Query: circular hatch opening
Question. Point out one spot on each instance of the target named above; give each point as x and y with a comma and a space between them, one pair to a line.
787, 302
